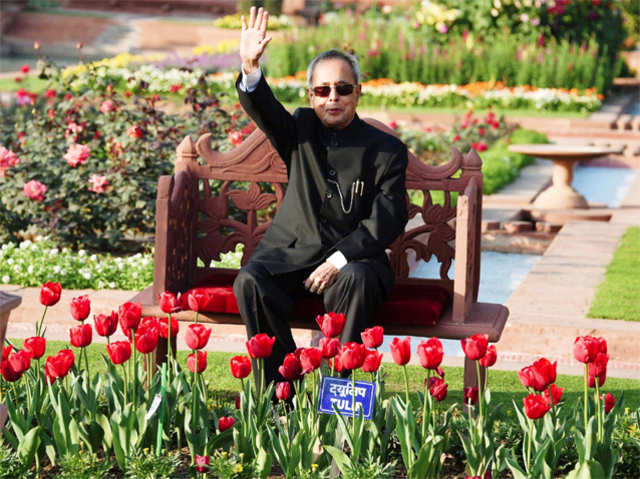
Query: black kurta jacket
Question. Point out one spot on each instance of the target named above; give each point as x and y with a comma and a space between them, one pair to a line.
317, 217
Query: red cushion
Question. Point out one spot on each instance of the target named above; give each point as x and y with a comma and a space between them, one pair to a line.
409, 304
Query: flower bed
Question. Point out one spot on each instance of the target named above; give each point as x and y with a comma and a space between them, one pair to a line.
127, 422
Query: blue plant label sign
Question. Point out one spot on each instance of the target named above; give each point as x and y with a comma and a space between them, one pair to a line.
339, 392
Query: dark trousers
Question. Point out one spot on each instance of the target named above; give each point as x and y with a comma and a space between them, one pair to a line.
266, 302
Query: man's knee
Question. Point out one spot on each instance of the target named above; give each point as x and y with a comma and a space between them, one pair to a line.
360, 274
248, 276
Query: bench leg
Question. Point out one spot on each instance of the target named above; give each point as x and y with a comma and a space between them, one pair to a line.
161, 352
471, 375
4, 320
4, 414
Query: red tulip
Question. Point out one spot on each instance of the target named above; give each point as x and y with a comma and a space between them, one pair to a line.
105, 325
58, 366
130, 314
168, 302
530, 379
197, 300
437, 388
330, 347
20, 361
240, 366
539, 375
489, 359
401, 350
8, 372
331, 324
535, 406
147, 339
163, 325
373, 337
81, 335
283, 390
225, 423
119, 351
260, 346
430, 353
475, 347
202, 463
197, 336
602, 344
372, 360
202, 361
50, 293
310, 359
609, 402
585, 348
291, 368
553, 395
5, 352
352, 355
336, 364
80, 307
470, 395
238, 402
598, 369
35, 346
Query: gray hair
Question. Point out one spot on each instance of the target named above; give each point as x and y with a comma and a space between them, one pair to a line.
330, 54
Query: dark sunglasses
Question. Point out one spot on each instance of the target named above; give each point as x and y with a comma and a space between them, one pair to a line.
342, 89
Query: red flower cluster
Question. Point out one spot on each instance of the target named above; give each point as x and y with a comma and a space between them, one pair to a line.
13, 365
593, 352
540, 376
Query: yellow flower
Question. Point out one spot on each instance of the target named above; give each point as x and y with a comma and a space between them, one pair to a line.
314, 467
237, 468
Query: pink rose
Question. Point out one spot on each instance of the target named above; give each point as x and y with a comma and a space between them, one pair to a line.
135, 132
77, 155
34, 190
108, 106
99, 184
8, 158
235, 138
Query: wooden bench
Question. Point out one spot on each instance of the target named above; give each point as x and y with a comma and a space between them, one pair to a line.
7, 303
193, 226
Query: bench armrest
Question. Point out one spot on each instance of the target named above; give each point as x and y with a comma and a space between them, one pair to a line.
467, 259
175, 207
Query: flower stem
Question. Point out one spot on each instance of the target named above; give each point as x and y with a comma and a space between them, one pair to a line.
586, 398
39, 325
599, 415
353, 404
86, 363
406, 382
124, 377
480, 390
529, 445
134, 379
194, 405
169, 348
424, 405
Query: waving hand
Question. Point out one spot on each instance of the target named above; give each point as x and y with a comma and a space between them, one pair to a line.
253, 39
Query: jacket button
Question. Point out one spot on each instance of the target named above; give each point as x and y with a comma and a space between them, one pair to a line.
332, 172
329, 195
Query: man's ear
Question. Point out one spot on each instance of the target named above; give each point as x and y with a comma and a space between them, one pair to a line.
358, 92
309, 94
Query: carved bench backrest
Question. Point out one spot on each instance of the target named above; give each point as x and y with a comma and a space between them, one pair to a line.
203, 223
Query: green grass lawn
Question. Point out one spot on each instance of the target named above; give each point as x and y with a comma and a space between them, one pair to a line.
505, 385
618, 297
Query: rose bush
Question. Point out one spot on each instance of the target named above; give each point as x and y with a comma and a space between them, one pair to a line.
81, 162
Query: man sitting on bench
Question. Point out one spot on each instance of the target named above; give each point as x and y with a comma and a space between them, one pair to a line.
345, 201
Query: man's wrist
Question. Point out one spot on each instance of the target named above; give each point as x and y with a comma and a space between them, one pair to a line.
338, 260
250, 67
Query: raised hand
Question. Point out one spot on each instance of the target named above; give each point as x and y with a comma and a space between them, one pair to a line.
253, 39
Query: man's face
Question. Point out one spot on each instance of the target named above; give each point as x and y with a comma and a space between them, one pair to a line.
335, 111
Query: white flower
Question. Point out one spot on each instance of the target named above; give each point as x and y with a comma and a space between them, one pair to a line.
112, 285
10, 261
25, 244
30, 269
82, 253
5, 279
56, 269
